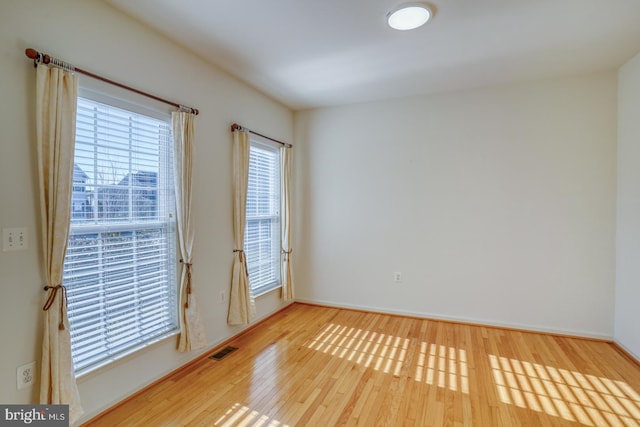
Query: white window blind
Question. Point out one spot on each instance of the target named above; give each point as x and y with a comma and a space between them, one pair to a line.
120, 265
262, 234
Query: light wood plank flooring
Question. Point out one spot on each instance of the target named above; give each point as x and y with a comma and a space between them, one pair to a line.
318, 366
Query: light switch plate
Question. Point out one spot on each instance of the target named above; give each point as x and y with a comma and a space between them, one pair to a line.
14, 239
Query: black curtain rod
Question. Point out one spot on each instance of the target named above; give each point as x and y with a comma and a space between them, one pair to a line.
47, 59
236, 126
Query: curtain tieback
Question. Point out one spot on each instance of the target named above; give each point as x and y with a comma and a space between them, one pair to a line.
51, 299
188, 266
286, 254
243, 259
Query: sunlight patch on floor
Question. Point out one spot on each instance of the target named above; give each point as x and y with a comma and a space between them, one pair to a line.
438, 365
571, 395
381, 352
240, 415
443, 366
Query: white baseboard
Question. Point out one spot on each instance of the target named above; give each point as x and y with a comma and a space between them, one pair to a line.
490, 323
626, 350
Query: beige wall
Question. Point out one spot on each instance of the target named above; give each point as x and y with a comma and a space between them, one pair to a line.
496, 205
627, 324
96, 37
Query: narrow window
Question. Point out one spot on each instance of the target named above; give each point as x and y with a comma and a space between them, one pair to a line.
262, 234
120, 268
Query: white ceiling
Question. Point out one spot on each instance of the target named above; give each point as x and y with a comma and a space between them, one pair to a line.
310, 53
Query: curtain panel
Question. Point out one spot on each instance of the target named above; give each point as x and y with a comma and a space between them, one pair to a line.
285, 224
56, 100
192, 335
242, 309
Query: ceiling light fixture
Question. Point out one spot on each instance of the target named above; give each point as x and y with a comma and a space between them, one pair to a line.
409, 16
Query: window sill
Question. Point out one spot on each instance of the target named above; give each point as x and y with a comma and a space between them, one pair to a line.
104, 364
267, 291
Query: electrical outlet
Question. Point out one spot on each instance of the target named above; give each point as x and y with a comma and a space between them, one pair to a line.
14, 239
26, 375
397, 277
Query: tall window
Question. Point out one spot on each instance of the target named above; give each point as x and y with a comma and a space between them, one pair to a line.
120, 268
262, 234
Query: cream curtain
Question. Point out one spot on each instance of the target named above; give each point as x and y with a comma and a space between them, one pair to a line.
56, 99
242, 309
192, 334
285, 223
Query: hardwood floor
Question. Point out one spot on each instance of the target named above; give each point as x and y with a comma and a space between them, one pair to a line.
318, 366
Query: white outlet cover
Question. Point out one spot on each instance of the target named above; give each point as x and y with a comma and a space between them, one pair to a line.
26, 375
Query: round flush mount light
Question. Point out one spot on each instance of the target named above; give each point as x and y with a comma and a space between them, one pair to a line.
409, 16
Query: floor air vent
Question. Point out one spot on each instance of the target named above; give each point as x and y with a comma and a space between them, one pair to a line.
223, 353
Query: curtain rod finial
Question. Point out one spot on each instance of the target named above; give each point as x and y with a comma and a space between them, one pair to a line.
31, 53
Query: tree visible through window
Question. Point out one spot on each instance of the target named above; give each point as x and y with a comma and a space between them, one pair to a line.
120, 265
262, 234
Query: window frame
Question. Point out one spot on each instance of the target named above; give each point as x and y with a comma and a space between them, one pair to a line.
259, 290
166, 225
